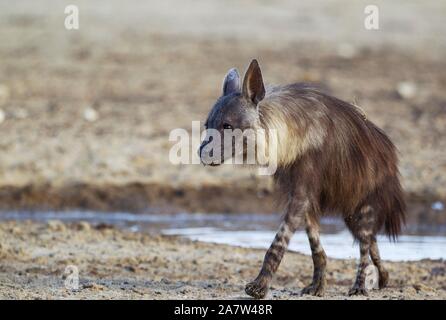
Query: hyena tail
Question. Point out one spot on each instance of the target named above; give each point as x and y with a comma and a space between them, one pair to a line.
393, 208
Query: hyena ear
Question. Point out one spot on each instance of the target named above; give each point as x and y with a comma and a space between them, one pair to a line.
231, 83
253, 87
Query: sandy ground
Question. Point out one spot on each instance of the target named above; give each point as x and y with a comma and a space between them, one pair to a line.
86, 114
85, 118
120, 265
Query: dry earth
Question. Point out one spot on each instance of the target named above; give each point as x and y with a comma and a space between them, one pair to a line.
121, 265
86, 114
85, 117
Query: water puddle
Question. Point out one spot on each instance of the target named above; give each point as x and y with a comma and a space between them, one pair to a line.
254, 231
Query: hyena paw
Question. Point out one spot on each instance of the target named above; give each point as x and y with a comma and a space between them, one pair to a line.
358, 291
383, 279
315, 289
257, 288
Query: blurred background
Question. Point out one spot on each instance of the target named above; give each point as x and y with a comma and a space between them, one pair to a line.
85, 114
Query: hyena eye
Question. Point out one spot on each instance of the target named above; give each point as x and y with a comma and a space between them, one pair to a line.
227, 126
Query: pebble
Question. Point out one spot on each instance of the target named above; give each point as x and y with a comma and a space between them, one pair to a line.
134, 228
15, 230
406, 89
437, 206
410, 291
83, 226
4, 93
347, 51
2, 116
4, 250
423, 287
21, 113
56, 225
90, 114
93, 286
130, 268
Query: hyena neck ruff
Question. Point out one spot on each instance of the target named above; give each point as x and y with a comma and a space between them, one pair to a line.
297, 122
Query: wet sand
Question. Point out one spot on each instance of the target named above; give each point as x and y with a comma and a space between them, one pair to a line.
116, 264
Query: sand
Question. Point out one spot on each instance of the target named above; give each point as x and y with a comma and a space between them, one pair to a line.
114, 264
85, 118
87, 113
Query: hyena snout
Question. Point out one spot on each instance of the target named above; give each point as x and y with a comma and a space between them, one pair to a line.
206, 153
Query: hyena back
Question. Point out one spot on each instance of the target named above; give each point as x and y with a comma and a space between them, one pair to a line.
330, 160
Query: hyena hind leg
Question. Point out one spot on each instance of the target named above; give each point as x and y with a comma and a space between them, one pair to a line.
317, 287
362, 225
374, 254
359, 286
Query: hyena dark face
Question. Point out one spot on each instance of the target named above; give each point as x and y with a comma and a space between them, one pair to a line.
233, 114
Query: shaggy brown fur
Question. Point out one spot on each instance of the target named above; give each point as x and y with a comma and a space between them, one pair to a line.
330, 160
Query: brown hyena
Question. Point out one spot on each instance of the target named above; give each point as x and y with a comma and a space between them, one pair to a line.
330, 160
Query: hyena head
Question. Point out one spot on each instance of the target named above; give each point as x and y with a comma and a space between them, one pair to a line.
235, 113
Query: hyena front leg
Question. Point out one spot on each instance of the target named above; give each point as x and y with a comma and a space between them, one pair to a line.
259, 287
317, 287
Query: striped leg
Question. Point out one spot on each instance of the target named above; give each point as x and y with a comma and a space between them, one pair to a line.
374, 254
362, 225
317, 287
359, 286
259, 287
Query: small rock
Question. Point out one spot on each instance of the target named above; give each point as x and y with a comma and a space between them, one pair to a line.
20, 113
15, 230
437, 206
93, 286
438, 271
4, 93
130, 268
56, 225
104, 226
132, 260
2, 116
406, 89
347, 51
422, 287
90, 114
83, 226
4, 250
410, 291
